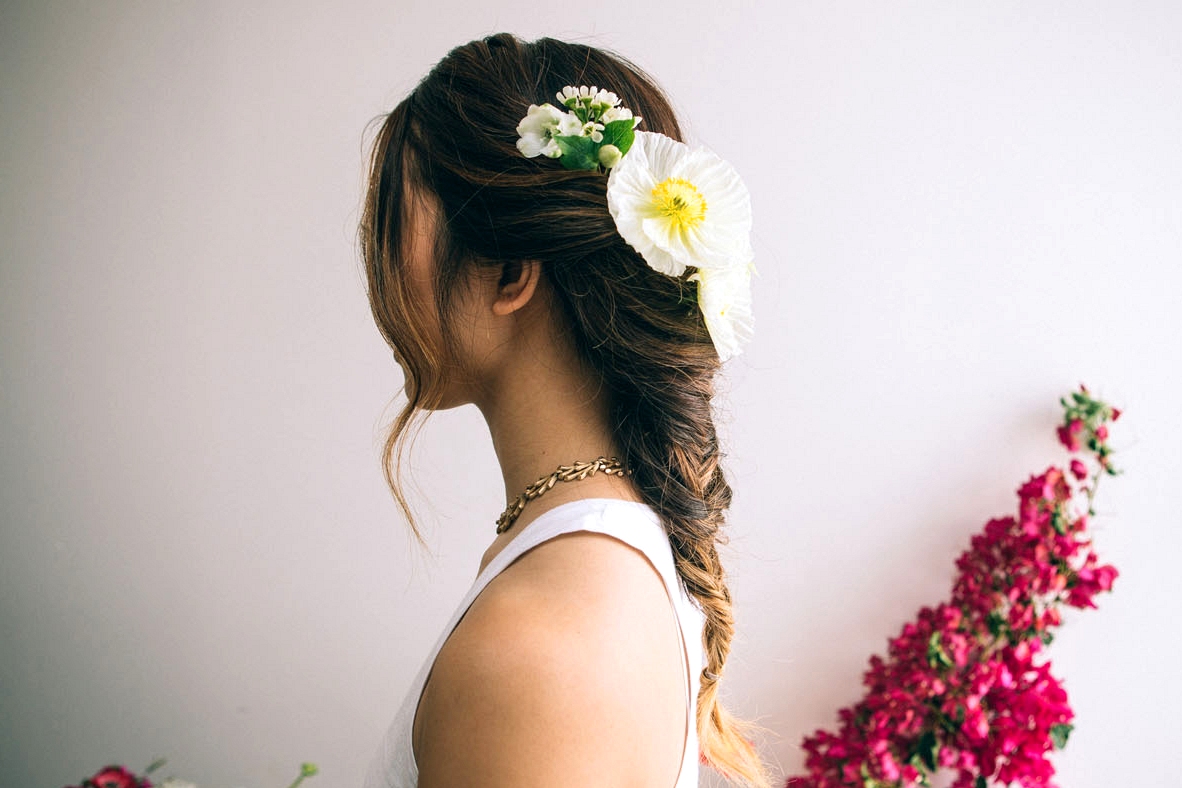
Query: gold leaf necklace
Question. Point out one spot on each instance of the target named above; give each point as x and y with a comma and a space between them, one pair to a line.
565, 473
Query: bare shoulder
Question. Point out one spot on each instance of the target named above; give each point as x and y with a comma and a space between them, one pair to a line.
567, 670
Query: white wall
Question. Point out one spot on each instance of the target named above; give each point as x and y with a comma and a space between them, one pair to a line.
962, 211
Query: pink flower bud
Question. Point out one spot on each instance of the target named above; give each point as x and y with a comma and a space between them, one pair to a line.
1078, 469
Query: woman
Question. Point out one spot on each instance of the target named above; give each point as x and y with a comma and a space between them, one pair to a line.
503, 278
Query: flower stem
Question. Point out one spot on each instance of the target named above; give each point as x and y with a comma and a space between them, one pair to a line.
306, 770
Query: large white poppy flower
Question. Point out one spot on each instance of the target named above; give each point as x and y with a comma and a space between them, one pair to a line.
724, 296
679, 206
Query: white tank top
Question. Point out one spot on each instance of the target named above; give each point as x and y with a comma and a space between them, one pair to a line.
634, 523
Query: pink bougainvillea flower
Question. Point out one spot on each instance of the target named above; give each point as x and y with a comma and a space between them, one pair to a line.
117, 777
1069, 439
960, 687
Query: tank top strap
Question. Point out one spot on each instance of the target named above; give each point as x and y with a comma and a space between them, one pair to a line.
592, 514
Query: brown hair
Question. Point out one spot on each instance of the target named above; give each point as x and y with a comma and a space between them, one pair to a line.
454, 138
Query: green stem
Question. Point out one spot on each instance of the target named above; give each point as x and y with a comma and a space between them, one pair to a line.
306, 770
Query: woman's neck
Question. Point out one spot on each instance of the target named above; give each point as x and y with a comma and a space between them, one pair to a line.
543, 428
543, 414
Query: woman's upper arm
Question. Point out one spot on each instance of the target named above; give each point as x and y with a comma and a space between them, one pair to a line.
539, 687
528, 710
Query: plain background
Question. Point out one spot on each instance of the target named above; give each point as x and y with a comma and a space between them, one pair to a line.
962, 211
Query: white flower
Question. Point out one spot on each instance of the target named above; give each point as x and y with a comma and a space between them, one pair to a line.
570, 125
598, 101
603, 101
724, 296
619, 113
537, 130
679, 206
571, 96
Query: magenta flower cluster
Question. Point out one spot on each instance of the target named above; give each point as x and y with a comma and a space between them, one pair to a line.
966, 686
115, 777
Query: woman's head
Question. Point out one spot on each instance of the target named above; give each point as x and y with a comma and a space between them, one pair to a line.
447, 155
446, 160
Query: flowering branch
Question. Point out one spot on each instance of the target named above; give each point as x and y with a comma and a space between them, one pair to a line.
960, 687
121, 777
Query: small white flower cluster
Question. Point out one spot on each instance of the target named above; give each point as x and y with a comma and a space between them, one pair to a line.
590, 110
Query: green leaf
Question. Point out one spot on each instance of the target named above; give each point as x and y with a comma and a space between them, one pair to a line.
936, 654
1059, 734
1080, 398
1046, 636
578, 152
619, 133
929, 749
997, 623
980, 782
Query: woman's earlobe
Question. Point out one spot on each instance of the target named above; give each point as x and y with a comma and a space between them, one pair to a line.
519, 282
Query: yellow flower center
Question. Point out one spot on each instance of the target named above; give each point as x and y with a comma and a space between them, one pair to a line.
680, 201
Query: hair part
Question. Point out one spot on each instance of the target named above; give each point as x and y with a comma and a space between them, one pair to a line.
454, 138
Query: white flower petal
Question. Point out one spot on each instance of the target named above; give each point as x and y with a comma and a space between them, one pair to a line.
569, 125
539, 119
551, 149
725, 299
668, 241
531, 145
616, 113
606, 97
663, 153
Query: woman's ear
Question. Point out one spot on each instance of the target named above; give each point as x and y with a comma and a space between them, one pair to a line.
519, 281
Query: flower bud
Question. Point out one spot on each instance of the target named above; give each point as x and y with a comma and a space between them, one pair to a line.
609, 156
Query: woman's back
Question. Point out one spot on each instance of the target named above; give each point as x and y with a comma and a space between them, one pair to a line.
534, 642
